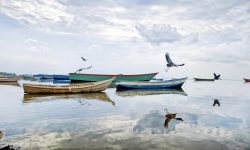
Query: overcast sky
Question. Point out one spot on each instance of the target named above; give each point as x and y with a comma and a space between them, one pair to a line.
126, 36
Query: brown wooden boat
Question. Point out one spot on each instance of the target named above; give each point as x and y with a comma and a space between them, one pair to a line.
9, 79
246, 80
1, 134
71, 88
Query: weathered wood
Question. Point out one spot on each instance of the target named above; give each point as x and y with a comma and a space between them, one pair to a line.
9, 79
71, 88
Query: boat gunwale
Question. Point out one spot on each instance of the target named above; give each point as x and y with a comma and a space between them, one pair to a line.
80, 85
9, 79
153, 83
114, 74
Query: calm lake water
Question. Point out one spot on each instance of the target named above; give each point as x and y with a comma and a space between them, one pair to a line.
129, 119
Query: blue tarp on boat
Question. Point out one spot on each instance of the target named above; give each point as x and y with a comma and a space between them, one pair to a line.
61, 77
44, 76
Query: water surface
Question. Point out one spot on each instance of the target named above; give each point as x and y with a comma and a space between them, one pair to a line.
129, 119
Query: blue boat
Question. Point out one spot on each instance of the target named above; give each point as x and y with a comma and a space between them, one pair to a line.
173, 83
60, 77
43, 76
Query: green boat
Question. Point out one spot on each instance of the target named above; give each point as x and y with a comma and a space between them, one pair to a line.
76, 77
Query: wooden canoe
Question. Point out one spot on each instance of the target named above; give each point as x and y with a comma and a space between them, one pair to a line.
174, 83
203, 79
1, 134
246, 80
71, 88
9, 79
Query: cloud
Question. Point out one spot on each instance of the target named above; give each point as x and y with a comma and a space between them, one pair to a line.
39, 14
35, 46
161, 33
158, 34
221, 36
194, 30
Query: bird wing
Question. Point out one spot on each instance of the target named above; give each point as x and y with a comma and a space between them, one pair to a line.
83, 59
81, 69
181, 65
167, 120
180, 119
168, 59
89, 67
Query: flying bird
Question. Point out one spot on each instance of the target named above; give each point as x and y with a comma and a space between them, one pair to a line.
216, 77
170, 63
81, 69
84, 59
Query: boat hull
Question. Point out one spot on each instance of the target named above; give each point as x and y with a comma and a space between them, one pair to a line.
175, 83
119, 77
201, 79
9, 79
246, 80
71, 88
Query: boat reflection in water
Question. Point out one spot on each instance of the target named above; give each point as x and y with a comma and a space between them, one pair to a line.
82, 98
142, 92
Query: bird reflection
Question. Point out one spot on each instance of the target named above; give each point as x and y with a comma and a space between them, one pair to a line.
216, 102
83, 102
169, 117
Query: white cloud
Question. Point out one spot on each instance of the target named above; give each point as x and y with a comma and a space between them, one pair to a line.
35, 46
40, 13
158, 34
